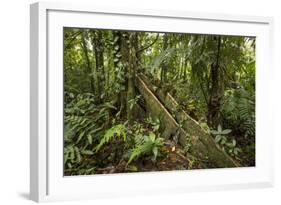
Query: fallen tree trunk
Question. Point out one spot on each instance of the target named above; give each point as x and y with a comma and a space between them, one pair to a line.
164, 106
169, 125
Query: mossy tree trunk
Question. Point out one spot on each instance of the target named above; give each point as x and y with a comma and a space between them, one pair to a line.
216, 91
132, 65
98, 47
120, 59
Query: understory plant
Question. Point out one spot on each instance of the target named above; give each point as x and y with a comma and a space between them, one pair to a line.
146, 145
226, 144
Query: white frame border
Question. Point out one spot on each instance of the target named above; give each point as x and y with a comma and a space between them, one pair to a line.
39, 95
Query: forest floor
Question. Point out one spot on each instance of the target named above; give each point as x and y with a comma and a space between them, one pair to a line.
173, 158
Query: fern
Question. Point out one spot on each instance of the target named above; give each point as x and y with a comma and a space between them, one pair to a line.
81, 127
84, 123
239, 111
115, 131
146, 145
72, 155
84, 120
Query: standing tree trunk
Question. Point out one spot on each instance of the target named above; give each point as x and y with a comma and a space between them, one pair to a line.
164, 66
216, 89
88, 62
98, 47
125, 63
117, 55
120, 58
132, 65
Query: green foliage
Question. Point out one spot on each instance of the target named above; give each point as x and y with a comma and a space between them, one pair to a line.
83, 120
84, 123
232, 149
73, 160
117, 131
239, 111
187, 147
146, 145
137, 128
104, 114
72, 155
133, 101
224, 142
161, 58
220, 135
155, 124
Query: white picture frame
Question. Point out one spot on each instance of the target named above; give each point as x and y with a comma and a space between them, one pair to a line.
47, 182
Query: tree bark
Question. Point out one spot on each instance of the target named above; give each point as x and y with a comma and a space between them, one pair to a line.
98, 47
89, 66
164, 66
132, 65
216, 89
121, 63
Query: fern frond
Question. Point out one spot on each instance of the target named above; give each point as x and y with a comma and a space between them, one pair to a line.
115, 131
146, 145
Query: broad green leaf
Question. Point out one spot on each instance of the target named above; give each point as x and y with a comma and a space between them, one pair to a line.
225, 132
218, 138
219, 128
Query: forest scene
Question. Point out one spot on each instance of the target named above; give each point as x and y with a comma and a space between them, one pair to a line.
137, 101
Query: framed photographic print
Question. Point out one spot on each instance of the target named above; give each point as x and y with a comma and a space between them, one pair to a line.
128, 101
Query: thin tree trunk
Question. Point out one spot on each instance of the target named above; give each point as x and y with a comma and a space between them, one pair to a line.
164, 66
121, 56
216, 89
132, 65
117, 36
89, 66
98, 48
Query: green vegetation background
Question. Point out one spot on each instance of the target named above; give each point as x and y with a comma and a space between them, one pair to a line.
107, 128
